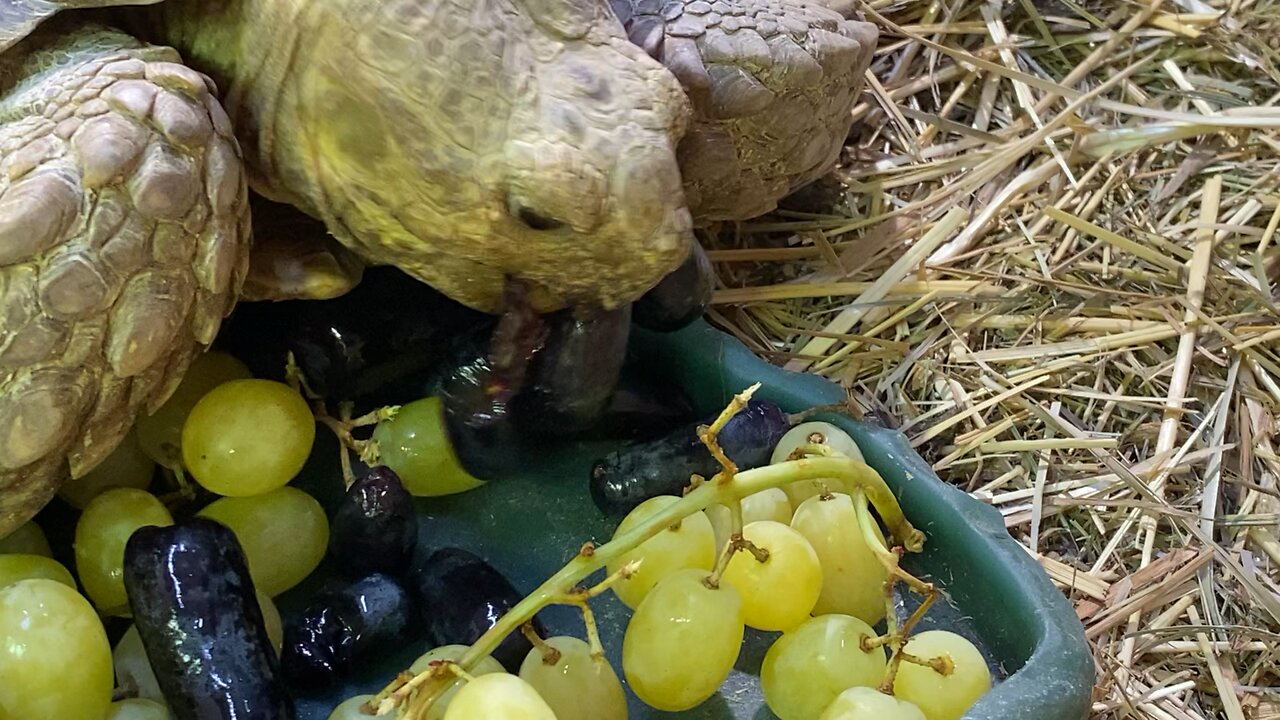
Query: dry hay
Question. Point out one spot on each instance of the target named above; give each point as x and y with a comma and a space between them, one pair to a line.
1050, 256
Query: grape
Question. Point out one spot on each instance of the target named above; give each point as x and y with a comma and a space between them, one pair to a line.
28, 539
15, 567
576, 686
415, 445
55, 661
461, 596
484, 666
160, 433
636, 472
483, 374
284, 534
864, 703
195, 609
942, 697
498, 695
573, 374
375, 528
777, 594
806, 668
813, 433
343, 627
133, 669
137, 709
852, 576
682, 641
350, 708
248, 437
770, 504
126, 467
271, 618
688, 544
101, 533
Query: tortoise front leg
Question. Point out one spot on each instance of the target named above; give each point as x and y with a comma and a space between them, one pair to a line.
295, 258
124, 233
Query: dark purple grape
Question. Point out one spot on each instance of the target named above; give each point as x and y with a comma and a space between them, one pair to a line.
196, 611
679, 298
477, 417
342, 627
461, 596
575, 372
629, 476
478, 392
375, 527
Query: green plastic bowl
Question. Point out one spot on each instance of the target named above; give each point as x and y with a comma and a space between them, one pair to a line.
529, 525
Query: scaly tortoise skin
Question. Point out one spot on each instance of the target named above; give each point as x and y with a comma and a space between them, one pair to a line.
463, 141
772, 86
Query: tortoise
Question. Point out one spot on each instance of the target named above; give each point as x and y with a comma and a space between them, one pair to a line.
572, 144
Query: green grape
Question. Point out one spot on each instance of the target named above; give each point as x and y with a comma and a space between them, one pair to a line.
864, 703
806, 668
350, 709
770, 504
126, 467
15, 567
807, 433
28, 539
777, 594
133, 668
682, 641
284, 535
498, 695
576, 686
137, 709
101, 533
942, 697
160, 433
852, 576
248, 437
271, 618
485, 666
55, 661
689, 544
416, 446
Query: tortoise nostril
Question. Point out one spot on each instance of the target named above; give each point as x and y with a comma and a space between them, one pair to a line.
536, 220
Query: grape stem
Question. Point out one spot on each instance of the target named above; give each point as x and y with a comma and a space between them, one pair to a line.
413, 697
550, 655
341, 426
896, 638
942, 664
709, 434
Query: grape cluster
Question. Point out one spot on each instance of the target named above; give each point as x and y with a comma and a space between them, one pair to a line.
810, 574
818, 572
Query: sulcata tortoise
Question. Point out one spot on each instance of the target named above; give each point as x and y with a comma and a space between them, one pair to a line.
571, 144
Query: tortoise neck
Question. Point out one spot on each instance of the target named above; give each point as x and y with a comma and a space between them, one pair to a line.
251, 49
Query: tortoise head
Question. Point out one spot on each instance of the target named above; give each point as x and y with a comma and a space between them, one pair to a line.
468, 143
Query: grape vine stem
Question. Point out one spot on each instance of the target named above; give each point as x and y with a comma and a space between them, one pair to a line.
413, 697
